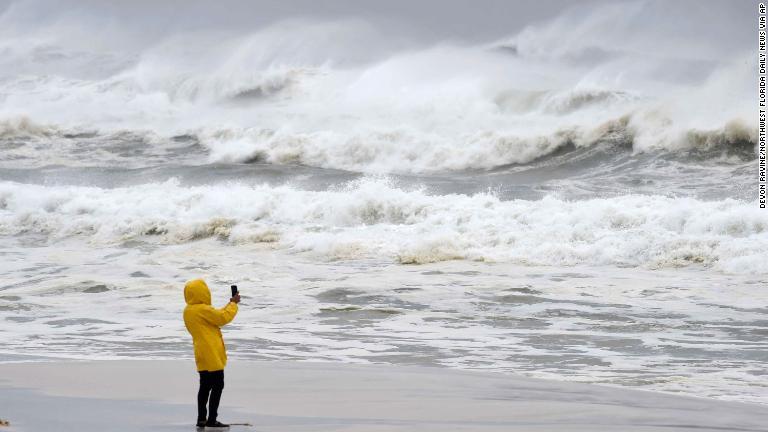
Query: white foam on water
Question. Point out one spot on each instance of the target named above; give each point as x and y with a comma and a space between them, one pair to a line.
684, 331
373, 218
333, 94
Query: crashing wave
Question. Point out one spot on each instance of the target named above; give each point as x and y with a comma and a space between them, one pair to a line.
371, 218
407, 151
401, 150
329, 94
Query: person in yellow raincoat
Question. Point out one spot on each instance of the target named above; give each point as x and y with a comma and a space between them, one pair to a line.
204, 323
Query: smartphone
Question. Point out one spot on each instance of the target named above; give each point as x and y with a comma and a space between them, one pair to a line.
234, 290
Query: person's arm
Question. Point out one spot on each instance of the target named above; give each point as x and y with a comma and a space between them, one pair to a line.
220, 317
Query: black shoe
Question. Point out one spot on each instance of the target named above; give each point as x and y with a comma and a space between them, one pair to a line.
200, 424
216, 424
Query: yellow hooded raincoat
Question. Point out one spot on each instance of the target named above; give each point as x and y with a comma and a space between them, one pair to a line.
203, 322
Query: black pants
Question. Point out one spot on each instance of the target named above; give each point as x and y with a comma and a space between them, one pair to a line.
211, 382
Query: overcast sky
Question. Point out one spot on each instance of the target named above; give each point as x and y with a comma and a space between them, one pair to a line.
478, 20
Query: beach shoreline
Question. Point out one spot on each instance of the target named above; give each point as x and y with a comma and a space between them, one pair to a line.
319, 396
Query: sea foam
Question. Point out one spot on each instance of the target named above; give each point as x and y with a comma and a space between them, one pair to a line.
372, 218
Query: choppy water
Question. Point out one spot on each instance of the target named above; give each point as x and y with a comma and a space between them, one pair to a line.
493, 206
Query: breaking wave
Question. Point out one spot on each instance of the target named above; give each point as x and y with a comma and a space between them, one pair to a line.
373, 219
409, 151
339, 94
401, 150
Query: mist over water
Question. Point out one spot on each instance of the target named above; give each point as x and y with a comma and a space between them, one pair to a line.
561, 152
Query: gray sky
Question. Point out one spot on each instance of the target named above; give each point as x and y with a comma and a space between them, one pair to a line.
431, 19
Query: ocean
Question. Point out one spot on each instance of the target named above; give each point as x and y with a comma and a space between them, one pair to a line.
577, 208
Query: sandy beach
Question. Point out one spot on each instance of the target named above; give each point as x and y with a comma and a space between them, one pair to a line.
309, 396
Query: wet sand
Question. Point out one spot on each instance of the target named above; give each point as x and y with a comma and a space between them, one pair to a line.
301, 396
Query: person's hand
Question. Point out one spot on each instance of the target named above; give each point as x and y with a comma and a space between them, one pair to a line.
236, 298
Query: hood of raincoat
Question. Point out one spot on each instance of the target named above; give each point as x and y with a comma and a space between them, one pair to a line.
196, 292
